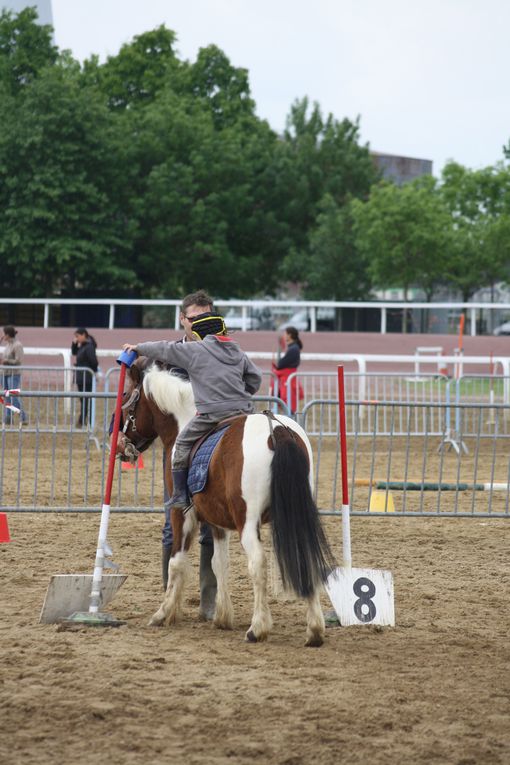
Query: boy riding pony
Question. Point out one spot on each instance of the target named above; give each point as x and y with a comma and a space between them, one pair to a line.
223, 380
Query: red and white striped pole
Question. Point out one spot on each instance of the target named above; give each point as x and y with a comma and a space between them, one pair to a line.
125, 360
346, 511
8, 394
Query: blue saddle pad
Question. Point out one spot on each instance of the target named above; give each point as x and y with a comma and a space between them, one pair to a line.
197, 476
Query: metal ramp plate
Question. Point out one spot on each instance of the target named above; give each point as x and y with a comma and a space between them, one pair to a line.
68, 593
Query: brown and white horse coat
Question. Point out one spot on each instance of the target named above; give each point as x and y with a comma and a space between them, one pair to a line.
259, 472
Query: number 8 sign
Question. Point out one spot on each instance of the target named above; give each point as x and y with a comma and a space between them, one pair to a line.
362, 596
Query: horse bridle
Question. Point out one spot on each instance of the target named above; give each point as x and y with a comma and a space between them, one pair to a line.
131, 449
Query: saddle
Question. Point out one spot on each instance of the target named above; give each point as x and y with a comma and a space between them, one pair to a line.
203, 449
202, 452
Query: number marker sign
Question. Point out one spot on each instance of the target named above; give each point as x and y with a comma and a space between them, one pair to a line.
362, 596
358, 595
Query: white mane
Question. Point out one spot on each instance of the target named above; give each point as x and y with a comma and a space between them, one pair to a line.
170, 393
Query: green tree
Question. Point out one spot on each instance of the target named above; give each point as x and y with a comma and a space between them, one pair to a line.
153, 174
404, 232
332, 266
60, 230
139, 72
320, 156
201, 201
25, 49
224, 89
479, 203
319, 159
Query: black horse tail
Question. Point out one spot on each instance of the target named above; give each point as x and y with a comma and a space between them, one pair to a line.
301, 548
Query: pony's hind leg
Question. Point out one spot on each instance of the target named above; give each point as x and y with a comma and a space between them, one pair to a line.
315, 626
224, 613
170, 610
261, 622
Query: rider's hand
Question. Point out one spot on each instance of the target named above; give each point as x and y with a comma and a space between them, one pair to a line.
129, 348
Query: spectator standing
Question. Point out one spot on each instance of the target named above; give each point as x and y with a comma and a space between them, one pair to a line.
83, 348
12, 360
286, 366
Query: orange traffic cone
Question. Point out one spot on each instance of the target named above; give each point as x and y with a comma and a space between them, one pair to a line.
4, 528
129, 465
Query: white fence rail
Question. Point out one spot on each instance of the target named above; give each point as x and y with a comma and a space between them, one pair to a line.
311, 308
364, 362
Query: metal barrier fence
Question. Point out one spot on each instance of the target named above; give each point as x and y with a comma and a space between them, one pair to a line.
53, 465
370, 387
48, 378
383, 387
396, 467
374, 386
395, 470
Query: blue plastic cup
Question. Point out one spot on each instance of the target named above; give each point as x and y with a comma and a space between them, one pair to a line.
128, 358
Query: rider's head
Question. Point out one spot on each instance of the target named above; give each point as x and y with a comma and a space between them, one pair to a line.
208, 323
192, 306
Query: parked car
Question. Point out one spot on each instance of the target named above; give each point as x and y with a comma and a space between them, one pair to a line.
256, 319
503, 329
299, 320
325, 319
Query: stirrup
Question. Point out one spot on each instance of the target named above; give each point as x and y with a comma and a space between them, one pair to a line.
185, 505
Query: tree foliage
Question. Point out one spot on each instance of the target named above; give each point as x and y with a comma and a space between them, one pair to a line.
322, 163
332, 265
478, 202
404, 232
151, 175
60, 227
25, 50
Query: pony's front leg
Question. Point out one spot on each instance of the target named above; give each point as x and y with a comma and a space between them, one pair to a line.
184, 528
261, 622
224, 613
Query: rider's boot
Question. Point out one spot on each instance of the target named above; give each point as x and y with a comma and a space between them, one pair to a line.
208, 584
180, 496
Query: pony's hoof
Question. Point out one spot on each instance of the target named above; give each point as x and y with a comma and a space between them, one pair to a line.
223, 625
156, 620
251, 637
207, 614
314, 642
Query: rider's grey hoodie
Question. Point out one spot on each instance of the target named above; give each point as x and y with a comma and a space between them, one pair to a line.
222, 376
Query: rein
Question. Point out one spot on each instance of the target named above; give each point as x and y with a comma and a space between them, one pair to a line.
270, 417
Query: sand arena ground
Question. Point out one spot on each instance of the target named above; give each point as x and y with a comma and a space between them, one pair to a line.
434, 689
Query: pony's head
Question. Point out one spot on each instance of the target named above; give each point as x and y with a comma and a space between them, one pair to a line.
156, 403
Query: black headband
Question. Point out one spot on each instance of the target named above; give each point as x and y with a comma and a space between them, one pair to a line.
208, 324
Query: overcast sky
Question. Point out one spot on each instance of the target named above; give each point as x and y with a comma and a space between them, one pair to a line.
428, 78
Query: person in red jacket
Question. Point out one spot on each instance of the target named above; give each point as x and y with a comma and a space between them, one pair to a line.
287, 365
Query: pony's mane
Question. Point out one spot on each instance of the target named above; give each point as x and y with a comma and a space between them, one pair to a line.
170, 393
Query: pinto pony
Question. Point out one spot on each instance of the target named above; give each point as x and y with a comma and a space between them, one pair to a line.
260, 472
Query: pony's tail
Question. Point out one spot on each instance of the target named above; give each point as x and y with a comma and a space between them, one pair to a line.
301, 549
